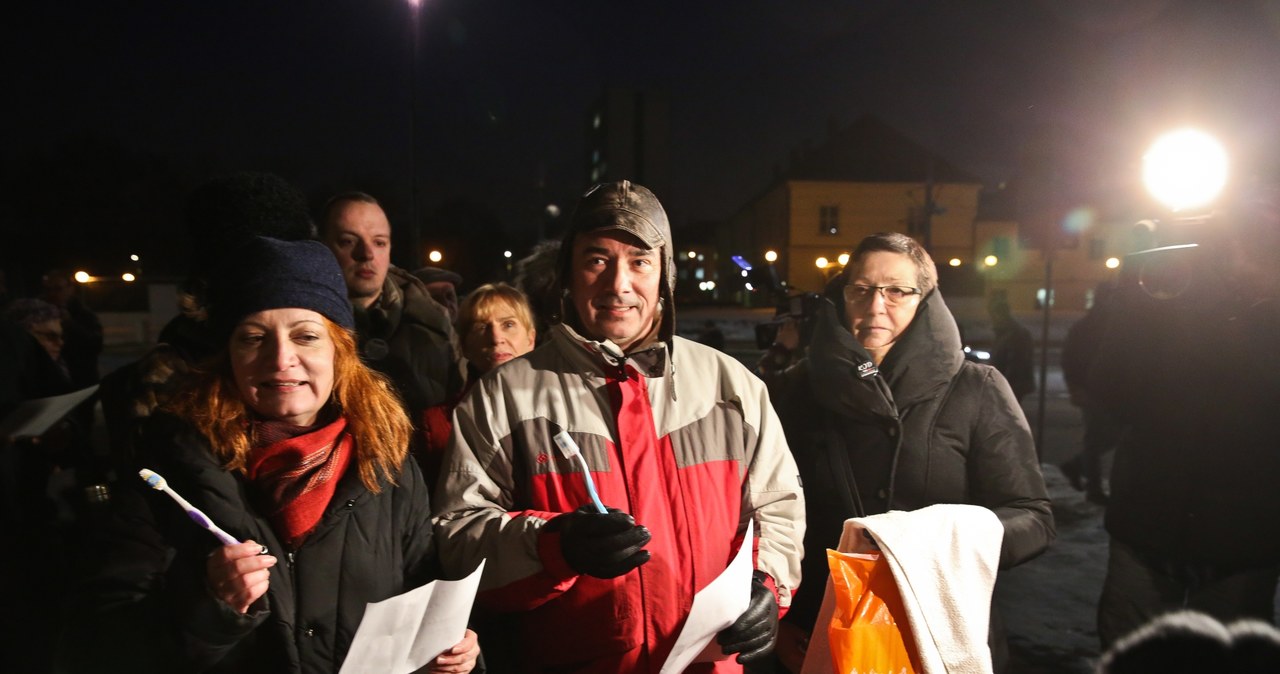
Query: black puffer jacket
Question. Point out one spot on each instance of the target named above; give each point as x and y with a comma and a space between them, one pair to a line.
406, 335
148, 608
925, 427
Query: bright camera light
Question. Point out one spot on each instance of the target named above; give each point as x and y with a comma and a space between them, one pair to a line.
1185, 169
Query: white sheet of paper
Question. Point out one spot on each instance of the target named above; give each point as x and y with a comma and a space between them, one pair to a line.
402, 634
714, 608
32, 418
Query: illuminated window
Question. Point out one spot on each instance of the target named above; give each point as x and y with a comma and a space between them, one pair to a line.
829, 220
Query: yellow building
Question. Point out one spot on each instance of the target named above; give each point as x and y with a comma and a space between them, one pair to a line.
866, 178
869, 178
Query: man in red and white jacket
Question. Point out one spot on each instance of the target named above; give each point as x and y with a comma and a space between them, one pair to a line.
682, 444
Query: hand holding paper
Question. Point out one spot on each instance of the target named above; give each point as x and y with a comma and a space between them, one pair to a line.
402, 634
715, 607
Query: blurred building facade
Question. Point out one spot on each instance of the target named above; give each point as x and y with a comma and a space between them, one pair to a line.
868, 177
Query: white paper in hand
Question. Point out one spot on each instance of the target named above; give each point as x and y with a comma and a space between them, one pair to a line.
714, 608
402, 634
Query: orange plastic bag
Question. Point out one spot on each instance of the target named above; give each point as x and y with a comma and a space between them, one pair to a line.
869, 632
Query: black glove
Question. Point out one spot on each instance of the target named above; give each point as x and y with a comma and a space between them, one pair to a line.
604, 545
753, 634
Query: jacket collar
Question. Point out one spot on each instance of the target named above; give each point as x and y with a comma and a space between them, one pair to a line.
845, 379
403, 298
606, 358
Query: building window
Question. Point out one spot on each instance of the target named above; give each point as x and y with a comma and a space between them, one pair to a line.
1002, 247
829, 220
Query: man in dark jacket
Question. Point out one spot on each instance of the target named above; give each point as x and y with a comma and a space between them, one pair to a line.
404, 333
1101, 432
1013, 351
1192, 370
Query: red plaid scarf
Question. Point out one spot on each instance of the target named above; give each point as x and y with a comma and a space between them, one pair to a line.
296, 476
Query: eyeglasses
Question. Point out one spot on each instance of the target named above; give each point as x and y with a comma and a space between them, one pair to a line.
893, 295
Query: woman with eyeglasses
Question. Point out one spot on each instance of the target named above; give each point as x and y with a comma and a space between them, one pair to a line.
886, 414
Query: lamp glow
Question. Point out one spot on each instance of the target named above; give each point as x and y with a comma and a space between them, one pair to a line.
822, 262
1185, 169
843, 259
435, 256
991, 260
954, 262
771, 256
82, 277
1113, 262
128, 278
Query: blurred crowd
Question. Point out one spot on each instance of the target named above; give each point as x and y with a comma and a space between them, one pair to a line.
357, 430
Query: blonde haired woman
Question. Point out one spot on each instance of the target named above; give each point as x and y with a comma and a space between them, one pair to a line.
495, 325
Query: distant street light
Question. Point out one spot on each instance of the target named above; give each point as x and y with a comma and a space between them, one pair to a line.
991, 260
693, 255
435, 256
1185, 169
82, 277
1113, 262
506, 254
128, 278
133, 257
771, 256
954, 262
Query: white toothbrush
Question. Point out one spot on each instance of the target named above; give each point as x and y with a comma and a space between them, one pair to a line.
570, 450
155, 481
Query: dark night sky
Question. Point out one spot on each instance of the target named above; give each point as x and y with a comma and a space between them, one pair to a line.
320, 91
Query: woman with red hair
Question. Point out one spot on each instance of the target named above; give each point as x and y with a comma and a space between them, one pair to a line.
293, 446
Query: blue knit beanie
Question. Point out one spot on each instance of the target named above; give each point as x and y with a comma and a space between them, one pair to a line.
266, 273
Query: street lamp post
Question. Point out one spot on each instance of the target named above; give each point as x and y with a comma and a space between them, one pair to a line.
415, 19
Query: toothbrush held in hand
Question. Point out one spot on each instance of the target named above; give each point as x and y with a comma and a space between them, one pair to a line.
570, 450
155, 481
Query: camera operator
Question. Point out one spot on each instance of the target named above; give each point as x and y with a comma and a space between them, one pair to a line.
786, 338
1190, 365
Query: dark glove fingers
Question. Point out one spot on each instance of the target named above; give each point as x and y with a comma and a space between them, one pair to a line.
597, 524
622, 567
755, 650
747, 638
617, 545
